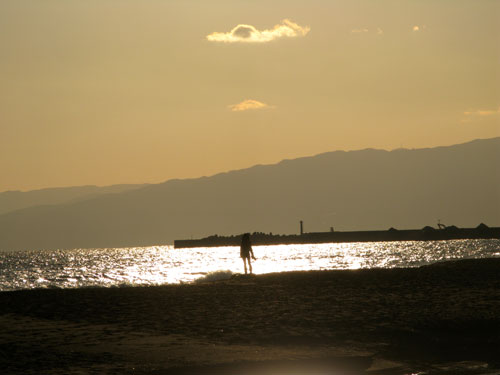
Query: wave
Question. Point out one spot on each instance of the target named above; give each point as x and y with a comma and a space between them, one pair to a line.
215, 276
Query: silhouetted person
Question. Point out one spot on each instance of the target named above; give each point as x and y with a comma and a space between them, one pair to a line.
246, 251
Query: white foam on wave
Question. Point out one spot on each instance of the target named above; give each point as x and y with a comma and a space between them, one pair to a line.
215, 276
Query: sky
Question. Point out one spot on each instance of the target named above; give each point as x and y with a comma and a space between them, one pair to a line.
101, 92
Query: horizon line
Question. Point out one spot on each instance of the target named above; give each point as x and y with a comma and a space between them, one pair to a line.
145, 184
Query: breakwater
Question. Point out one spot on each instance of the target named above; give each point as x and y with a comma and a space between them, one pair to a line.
425, 234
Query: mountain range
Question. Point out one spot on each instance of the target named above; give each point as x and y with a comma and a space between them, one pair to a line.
16, 200
347, 190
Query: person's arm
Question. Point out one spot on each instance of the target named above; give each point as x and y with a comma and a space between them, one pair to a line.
253, 256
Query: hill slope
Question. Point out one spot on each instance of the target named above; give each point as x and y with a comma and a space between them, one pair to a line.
357, 190
17, 200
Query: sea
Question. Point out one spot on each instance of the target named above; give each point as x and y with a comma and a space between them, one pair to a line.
159, 265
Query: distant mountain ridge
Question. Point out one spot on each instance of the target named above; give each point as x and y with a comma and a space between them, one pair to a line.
16, 200
354, 190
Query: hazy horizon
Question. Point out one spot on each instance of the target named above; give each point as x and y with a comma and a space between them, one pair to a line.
145, 183
359, 190
103, 93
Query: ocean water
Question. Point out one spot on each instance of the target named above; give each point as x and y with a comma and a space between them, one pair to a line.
157, 265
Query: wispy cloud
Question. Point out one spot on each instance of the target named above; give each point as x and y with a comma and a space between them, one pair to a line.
359, 31
377, 31
480, 113
249, 34
248, 104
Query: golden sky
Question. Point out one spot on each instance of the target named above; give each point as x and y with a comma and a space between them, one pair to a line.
125, 91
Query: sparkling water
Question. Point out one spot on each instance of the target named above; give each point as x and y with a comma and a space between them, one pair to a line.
156, 265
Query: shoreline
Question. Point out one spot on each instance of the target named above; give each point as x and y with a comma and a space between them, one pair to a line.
366, 321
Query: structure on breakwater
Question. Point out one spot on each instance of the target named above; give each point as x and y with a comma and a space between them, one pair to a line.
425, 234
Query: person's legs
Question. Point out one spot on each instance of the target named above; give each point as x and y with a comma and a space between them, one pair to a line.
249, 264
245, 264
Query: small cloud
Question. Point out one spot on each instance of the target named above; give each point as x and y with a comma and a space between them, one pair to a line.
248, 104
378, 31
480, 113
359, 31
249, 34
418, 28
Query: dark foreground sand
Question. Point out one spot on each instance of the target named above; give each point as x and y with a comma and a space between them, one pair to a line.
439, 319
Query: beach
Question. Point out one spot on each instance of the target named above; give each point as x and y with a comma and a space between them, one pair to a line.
437, 319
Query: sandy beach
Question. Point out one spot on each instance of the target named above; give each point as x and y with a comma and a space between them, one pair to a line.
437, 319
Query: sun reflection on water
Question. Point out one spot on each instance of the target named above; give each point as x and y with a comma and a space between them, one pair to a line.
163, 264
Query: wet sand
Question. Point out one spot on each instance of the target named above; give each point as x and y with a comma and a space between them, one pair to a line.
438, 319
